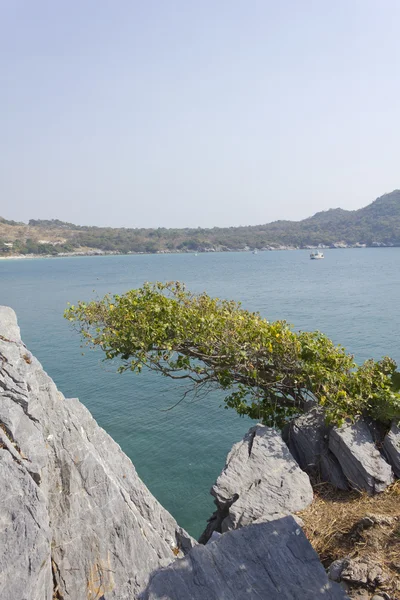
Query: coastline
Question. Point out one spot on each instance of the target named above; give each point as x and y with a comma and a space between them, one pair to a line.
195, 252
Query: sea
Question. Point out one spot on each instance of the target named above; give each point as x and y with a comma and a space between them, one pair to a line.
352, 295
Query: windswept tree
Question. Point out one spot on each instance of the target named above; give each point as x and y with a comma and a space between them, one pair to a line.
268, 371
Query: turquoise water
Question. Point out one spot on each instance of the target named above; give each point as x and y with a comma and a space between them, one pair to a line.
352, 296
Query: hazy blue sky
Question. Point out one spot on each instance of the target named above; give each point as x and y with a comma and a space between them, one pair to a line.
196, 113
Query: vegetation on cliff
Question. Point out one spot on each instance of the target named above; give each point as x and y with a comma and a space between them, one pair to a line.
374, 225
268, 371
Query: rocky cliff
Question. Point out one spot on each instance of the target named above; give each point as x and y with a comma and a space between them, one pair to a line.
76, 522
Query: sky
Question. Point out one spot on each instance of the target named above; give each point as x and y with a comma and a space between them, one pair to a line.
189, 113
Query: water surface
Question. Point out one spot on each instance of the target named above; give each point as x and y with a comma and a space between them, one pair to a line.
352, 296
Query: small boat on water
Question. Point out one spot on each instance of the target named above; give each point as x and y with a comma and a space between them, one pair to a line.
255, 251
316, 255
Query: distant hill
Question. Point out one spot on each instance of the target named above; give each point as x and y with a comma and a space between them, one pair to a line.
377, 224
5, 222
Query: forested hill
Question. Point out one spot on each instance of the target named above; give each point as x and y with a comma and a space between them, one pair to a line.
377, 224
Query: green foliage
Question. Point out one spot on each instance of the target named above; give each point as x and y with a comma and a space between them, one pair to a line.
267, 370
51, 224
7, 222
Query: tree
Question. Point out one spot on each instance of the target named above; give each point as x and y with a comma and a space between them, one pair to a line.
268, 371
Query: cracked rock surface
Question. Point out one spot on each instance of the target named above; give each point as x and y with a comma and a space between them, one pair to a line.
363, 465
76, 521
271, 561
261, 481
391, 447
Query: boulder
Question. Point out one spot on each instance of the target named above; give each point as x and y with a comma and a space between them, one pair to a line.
336, 568
362, 463
391, 445
77, 522
266, 560
260, 482
307, 438
362, 571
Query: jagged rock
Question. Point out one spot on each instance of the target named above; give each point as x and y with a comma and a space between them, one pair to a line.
260, 482
362, 572
357, 571
9, 325
307, 438
76, 520
272, 560
25, 566
372, 519
335, 569
363, 465
391, 445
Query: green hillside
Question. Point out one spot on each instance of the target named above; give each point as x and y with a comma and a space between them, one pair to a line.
377, 224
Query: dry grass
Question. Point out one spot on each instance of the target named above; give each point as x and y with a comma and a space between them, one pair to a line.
333, 524
23, 232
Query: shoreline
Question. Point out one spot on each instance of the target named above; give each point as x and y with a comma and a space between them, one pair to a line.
194, 252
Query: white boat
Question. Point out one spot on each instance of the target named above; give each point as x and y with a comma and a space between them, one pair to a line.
316, 255
255, 251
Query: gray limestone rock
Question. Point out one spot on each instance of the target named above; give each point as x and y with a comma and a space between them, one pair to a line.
260, 482
391, 445
358, 574
272, 560
336, 568
362, 572
362, 463
307, 438
9, 326
25, 538
73, 508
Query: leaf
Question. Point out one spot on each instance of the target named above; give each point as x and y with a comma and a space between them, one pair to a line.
396, 381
